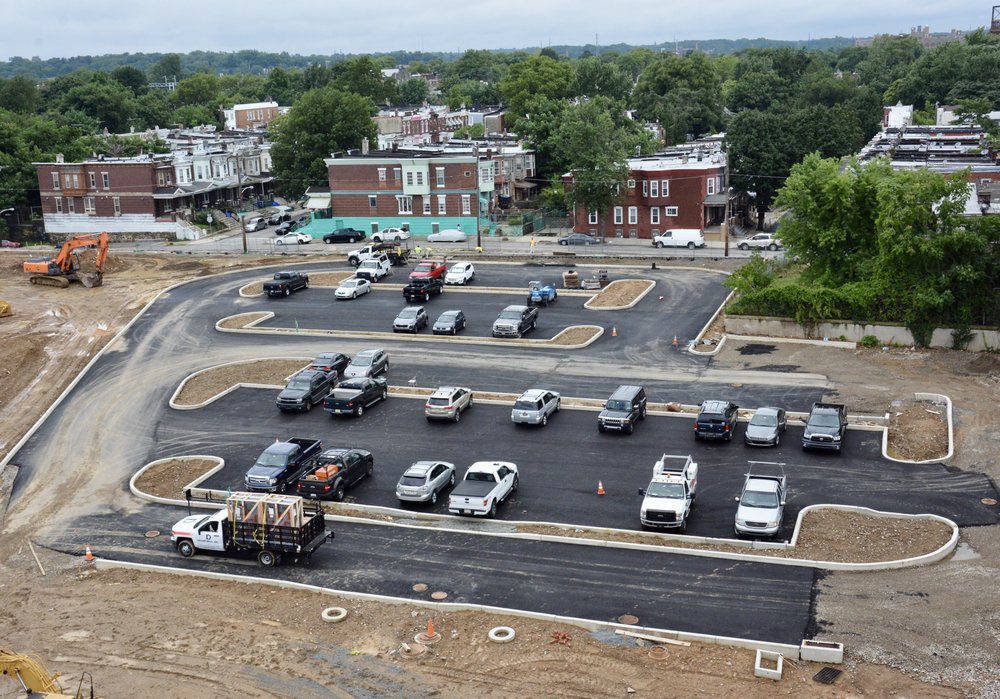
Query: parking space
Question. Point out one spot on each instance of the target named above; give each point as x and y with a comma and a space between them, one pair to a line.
562, 463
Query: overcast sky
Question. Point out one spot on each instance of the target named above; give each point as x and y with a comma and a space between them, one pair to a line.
59, 28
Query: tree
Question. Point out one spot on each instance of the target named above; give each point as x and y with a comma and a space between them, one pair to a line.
167, 68
19, 94
106, 101
363, 76
132, 78
682, 94
535, 76
153, 109
761, 152
593, 78
888, 59
193, 115
414, 91
280, 86
320, 122
201, 90
472, 131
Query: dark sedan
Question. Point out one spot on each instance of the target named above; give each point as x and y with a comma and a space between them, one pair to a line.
579, 239
344, 235
277, 217
449, 323
331, 363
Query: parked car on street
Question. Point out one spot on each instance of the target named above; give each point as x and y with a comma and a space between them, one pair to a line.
533, 407
257, 223
294, 239
369, 362
411, 319
765, 427
451, 235
460, 273
330, 363
578, 239
716, 420
343, 235
9, 244
760, 241
449, 323
689, 238
424, 481
284, 228
447, 403
390, 235
352, 287
277, 217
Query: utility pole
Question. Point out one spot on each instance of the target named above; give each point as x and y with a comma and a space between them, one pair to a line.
726, 189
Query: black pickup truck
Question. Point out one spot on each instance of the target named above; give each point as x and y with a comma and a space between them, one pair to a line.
422, 288
352, 396
333, 471
305, 389
285, 282
281, 464
825, 427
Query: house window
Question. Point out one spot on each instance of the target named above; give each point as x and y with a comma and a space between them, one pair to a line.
711, 185
420, 179
618, 189
633, 215
654, 215
88, 205
58, 204
67, 182
670, 211
381, 174
439, 171
442, 205
93, 180
70, 205
76, 182
592, 217
654, 188
427, 206
631, 183
619, 212
372, 200
55, 180
397, 174
665, 188
405, 204
466, 204
118, 205
645, 188
105, 180
409, 179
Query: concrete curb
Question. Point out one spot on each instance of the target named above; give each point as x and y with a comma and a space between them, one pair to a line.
932, 398
195, 406
193, 484
591, 625
796, 341
650, 285
697, 338
605, 543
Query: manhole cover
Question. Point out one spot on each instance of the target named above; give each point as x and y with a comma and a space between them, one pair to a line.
420, 587
828, 675
439, 595
152, 534
658, 653
988, 501
630, 619
414, 651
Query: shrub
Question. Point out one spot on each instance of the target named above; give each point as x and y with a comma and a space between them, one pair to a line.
870, 341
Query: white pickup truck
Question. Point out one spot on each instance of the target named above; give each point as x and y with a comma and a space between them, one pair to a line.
670, 494
374, 268
486, 484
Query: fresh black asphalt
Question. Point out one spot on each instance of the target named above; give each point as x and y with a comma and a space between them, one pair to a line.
690, 593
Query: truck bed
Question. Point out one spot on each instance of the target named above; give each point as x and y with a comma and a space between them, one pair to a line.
304, 539
472, 489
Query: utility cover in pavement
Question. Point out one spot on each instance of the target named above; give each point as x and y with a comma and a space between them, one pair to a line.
828, 675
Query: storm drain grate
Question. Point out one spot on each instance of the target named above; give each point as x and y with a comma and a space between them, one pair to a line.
828, 675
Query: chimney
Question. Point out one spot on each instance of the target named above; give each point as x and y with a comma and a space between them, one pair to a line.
60, 158
364, 146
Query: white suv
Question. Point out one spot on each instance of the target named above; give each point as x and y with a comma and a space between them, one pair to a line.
760, 241
534, 406
390, 235
447, 403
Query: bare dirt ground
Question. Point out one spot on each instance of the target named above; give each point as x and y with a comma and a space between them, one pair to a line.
918, 430
620, 292
203, 386
150, 635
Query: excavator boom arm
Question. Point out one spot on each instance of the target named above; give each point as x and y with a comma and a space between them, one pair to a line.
64, 259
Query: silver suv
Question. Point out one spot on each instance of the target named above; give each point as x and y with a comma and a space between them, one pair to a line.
534, 406
447, 403
424, 481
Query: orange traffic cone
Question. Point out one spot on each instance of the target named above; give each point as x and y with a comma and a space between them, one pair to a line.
675, 343
614, 331
600, 488
89, 556
430, 627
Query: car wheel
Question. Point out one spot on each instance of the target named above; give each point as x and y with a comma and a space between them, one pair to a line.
267, 559
564, 242
351, 239
545, 420
287, 291
690, 246
743, 246
185, 548
513, 486
306, 285
600, 428
359, 411
385, 369
777, 439
628, 429
659, 244
385, 393
684, 525
493, 509
283, 487
458, 415
338, 493
454, 331
532, 325
772, 247
451, 481
434, 497
427, 297
642, 413
370, 470
354, 295
354, 262
309, 404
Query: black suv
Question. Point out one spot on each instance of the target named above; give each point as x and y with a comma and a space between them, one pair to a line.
716, 420
625, 406
306, 388
423, 288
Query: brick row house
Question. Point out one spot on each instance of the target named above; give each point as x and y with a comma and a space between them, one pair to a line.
682, 188
422, 192
152, 195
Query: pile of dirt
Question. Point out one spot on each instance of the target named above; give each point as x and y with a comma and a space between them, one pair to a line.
168, 478
238, 321
271, 372
620, 292
918, 431
574, 336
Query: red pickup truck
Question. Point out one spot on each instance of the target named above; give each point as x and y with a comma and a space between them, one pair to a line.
433, 269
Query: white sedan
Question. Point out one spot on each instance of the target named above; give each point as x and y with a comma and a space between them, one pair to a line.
460, 273
294, 239
390, 235
452, 235
352, 287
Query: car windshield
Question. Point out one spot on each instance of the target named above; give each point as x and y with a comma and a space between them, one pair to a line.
423, 267
458, 269
363, 360
447, 317
298, 384
754, 498
665, 490
764, 420
269, 459
622, 405
824, 420
408, 313
349, 283
510, 315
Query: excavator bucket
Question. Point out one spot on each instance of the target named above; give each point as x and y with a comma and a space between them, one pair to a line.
91, 280
5, 309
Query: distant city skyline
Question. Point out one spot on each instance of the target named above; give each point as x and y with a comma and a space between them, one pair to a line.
56, 29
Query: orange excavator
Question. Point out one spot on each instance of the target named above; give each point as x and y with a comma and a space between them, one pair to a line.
66, 266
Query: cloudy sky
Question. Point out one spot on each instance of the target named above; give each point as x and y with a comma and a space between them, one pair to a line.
59, 28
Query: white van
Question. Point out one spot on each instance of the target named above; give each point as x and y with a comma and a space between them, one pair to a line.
680, 238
